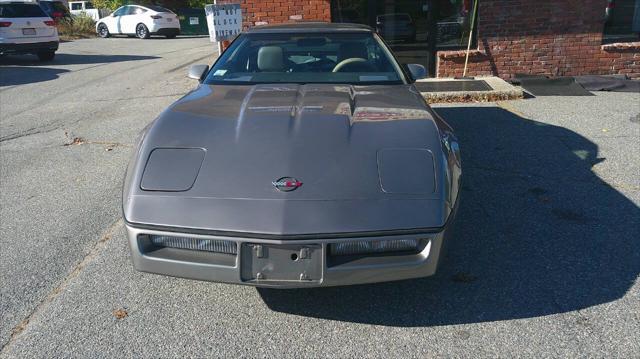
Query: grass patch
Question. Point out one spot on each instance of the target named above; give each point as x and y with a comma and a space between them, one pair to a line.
78, 27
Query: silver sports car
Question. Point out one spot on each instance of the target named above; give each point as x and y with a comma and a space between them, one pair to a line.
305, 157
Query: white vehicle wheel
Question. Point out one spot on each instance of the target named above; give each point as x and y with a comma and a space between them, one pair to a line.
142, 32
103, 31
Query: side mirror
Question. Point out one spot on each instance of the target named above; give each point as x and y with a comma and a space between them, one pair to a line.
196, 72
417, 71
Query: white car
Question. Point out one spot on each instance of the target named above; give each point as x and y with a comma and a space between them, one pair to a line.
141, 21
26, 29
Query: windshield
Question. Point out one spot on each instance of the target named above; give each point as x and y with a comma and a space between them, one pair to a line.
21, 10
52, 6
347, 58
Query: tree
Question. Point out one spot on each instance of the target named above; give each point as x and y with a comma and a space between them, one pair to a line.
108, 4
171, 4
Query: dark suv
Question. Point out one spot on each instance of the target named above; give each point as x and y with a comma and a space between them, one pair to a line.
56, 10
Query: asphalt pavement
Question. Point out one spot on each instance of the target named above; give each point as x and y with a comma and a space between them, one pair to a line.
545, 262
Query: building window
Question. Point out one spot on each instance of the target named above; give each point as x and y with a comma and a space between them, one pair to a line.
414, 29
622, 21
453, 23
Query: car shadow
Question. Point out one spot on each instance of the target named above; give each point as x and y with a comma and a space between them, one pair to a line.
537, 233
24, 75
30, 70
71, 59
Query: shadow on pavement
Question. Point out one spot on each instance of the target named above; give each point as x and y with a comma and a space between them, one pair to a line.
30, 70
71, 59
24, 75
537, 234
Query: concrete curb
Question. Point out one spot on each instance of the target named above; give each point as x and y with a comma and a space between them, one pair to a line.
501, 90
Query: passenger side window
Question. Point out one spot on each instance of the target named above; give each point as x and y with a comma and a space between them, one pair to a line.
76, 6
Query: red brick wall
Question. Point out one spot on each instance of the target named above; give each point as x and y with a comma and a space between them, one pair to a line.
550, 37
279, 11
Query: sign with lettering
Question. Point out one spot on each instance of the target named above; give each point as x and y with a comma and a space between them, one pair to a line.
224, 21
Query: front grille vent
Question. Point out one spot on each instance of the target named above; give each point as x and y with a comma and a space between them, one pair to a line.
195, 244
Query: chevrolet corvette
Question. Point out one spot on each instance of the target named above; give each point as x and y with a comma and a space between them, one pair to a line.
304, 157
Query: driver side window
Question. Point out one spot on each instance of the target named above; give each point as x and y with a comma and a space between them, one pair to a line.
121, 11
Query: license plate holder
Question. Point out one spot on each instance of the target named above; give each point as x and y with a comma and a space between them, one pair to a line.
265, 263
28, 31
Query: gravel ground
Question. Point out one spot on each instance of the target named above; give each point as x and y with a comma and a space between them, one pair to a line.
545, 264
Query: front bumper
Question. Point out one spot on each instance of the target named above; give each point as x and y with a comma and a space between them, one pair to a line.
28, 48
329, 270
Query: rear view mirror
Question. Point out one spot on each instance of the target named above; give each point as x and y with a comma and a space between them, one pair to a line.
417, 71
196, 72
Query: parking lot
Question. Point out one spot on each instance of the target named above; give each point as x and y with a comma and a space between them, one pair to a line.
545, 261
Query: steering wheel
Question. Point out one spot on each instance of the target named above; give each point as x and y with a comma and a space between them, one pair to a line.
352, 60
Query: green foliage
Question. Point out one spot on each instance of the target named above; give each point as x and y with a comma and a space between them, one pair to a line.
198, 3
108, 4
171, 4
81, 26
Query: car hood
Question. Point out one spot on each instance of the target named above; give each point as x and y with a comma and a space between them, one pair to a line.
367, 157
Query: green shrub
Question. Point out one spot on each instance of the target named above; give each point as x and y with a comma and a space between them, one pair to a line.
171, 4
81, 26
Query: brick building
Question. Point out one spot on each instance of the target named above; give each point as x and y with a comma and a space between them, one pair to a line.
550, 37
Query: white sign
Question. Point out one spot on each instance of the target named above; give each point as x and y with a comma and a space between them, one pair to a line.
224, 21
194, 21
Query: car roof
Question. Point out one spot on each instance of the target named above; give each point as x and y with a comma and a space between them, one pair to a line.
309, 27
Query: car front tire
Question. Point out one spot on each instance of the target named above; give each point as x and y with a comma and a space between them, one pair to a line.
142, 32
46, 55
103, 31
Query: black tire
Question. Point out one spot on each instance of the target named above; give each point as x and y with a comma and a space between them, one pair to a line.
103, 31
142, 32
172, 36
46, 55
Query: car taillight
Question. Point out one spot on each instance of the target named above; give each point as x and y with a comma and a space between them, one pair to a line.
56, 14
156, 17
5, 23
50, 23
